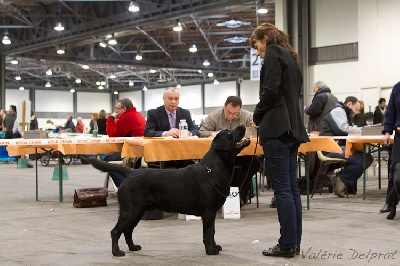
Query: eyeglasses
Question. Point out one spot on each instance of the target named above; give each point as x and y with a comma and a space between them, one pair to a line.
230, 113
119, 108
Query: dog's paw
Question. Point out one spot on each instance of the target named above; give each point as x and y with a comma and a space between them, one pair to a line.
118, 253
391, 215
135, 247
213, 251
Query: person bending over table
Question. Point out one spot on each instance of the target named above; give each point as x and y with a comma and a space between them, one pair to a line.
338, 123
164, 122
229, 117
124, 122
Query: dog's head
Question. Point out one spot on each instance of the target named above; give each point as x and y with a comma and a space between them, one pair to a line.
231, 141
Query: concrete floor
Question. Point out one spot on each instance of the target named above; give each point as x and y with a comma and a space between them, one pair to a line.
47, 232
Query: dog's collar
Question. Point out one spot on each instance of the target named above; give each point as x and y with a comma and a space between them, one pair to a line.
209, 170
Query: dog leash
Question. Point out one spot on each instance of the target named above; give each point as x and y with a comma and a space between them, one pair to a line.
209, 170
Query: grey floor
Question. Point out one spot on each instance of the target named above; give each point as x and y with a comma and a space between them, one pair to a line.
336, 231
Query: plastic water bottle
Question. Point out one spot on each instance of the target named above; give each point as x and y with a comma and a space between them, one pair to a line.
183, 129
95, 130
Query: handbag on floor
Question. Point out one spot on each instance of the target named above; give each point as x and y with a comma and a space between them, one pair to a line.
90, 197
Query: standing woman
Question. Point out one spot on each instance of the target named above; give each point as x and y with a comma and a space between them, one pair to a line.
281, 130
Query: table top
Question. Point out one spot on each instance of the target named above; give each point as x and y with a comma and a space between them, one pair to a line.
166, 149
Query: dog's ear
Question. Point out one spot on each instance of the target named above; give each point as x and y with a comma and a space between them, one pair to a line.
220, 142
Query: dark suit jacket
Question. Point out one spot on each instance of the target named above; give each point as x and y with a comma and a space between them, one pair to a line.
158, 122
278, 110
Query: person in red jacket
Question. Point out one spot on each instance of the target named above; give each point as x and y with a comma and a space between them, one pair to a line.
124, 122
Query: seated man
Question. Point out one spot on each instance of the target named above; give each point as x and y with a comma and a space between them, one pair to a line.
124, 122
164, 120
229, 117
338, 123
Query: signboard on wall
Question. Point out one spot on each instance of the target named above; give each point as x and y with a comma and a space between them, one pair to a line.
255, 65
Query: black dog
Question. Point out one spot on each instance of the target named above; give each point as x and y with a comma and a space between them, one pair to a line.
395, 171
199, 189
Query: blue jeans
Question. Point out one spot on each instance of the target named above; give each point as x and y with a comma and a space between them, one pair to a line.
353, 170
281, 166
116, 177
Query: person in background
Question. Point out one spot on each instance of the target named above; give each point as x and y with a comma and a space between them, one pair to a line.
124, 122
281, 130
229, 117
338, 123
33, 125
69, 125
379, 113
322, 102
2, 118
359, 119
93, 121
392, 124
80, 127
9, 122
49, 125
164, 120
101, 123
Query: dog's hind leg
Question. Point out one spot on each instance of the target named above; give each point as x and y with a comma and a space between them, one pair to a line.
208, 218
128, 233
125, 221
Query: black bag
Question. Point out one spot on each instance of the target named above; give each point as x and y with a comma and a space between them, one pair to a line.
90, 197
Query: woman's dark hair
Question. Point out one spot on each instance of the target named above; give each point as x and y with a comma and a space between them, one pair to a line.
274, 36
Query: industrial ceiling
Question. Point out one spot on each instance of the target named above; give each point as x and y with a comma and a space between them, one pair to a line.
218, 28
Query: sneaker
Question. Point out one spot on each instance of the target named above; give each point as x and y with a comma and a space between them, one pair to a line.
339, 187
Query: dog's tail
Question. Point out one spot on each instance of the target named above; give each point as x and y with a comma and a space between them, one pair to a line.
108, 167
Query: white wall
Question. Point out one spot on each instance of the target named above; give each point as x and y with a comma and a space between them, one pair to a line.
15, 97
215, 95
53, 101
92, 102
135, 97
249, 90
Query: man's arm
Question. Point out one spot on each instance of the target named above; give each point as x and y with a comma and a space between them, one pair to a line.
209, 124
151, 125
340, 123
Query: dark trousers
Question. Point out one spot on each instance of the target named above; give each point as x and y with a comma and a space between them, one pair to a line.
394, 157
116, 177
281, 166
353, 170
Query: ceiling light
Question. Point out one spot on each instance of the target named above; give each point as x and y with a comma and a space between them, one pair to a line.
233, 23
139, 56
85, 66
210, 74
14, 61
236, 39
72, 90
59, 26
112, 76
133, 7
103, 83
178, 26
206, 63
262, 9
101, 87
144, 88
216, 82
21, 88
48, 85
98, 83
18, 77
6, 40
193, 48
130, 83
60, 51
152, 71
102, 44
178, 86
200, 71
115, 92
78, 80
112, 41
49, 72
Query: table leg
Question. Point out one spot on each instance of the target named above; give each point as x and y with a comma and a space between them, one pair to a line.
365, 170
36, 170
379, 166
60, 176
307, 170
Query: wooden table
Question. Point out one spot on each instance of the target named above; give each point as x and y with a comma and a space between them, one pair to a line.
166, 149
66, 146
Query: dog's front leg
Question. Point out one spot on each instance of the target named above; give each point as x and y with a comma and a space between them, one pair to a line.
208, 218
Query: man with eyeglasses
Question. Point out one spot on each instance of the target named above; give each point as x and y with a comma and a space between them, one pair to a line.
124, 122
229, 117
